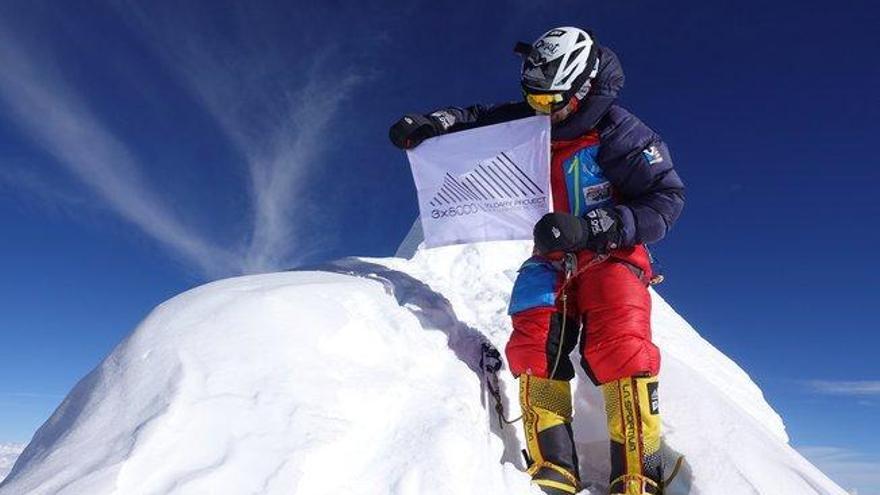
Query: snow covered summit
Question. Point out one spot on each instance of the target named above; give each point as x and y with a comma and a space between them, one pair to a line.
363, 378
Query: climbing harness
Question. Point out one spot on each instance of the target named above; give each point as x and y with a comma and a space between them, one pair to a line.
569, 266
490, 359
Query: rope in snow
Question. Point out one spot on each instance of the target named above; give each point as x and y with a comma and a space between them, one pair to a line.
675, 471
490, 363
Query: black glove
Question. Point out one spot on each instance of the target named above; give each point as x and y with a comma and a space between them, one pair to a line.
600, 232
605, 231
412, 129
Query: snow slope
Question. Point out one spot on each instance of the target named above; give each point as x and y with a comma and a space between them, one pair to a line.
9, 452
363, 378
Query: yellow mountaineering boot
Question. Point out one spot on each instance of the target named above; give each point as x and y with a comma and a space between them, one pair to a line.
546, 406
633, 414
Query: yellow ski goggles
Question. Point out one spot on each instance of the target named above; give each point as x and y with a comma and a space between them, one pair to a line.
544, 103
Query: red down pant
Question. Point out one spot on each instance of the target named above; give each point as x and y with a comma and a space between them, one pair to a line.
610, 300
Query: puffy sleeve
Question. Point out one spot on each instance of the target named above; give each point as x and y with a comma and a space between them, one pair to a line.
638, 164
454, 119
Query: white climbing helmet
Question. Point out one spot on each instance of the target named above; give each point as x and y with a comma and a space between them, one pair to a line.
562, 61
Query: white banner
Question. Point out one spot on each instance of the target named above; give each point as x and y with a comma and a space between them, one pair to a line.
486, 184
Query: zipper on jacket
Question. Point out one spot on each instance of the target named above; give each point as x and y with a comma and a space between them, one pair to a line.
575, 170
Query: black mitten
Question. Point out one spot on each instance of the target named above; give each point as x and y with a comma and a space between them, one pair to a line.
560, 232
412, 129
599, 231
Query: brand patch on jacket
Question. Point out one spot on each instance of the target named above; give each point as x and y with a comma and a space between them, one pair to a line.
585, 181
653, 155
596, 194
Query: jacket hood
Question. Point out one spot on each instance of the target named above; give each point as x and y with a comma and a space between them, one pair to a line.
603, 93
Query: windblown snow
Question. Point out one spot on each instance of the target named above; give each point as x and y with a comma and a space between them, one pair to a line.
9, 452
362, 377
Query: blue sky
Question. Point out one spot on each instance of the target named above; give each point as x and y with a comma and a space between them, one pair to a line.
148, 147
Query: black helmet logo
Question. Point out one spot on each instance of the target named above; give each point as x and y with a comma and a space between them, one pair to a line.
543, 51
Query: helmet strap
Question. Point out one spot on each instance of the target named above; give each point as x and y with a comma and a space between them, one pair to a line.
582, 92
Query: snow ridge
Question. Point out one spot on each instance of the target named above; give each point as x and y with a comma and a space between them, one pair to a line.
362, 377
9, 452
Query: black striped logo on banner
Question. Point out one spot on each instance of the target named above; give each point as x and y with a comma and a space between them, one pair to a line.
497, 179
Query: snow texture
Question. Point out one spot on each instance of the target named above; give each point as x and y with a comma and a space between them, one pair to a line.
362, 377
9, 452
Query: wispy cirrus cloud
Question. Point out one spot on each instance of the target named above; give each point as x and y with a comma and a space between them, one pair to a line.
275, 105
9, 400
31, 395
20, 178
276, 117
856, 388
859, 473
51, 114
